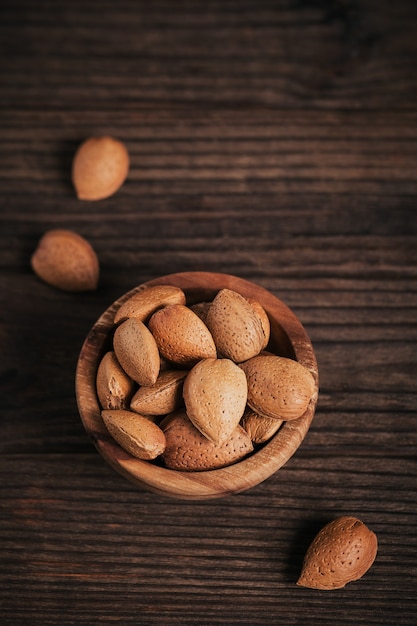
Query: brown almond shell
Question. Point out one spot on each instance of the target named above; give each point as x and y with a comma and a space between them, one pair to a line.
100, 167
144, 303
163, 397
278, 387
215, 393
67, 261
342, 552
235, 326
181, 336
188, 450
136, 434
114, 387
137, 352
259, 428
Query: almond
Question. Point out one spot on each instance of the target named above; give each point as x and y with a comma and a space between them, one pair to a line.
66, 260
144, 303
99, 168
114, 387
259, 428
278, 387
136, 351
181, 336
215, 393
135, 433
263, 318
188, 450
163, 397
342, 552
235, 326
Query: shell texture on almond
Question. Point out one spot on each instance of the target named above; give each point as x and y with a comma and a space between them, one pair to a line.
235, 326
145, 302
66, 260
342, 552
136, 351
135, 433
215, 394
259, 428
264, 319
100, 167
278, 387
163, 397
181, 336
187, 449
114, 387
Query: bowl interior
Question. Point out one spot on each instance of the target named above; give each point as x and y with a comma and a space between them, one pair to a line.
288, 338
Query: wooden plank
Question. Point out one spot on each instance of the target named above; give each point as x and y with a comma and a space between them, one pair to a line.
210, 53
168, 563
272, 140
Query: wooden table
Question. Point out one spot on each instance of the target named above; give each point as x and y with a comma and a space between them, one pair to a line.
276, 141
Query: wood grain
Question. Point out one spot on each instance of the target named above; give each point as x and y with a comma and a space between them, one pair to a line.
275, 141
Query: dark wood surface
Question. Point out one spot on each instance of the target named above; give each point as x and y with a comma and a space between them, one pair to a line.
272, 140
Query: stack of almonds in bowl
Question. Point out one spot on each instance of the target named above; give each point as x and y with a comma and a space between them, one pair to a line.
197, 385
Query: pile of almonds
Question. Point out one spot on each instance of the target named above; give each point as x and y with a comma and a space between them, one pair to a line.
192, 385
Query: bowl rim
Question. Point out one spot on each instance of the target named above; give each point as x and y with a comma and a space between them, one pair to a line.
196, 485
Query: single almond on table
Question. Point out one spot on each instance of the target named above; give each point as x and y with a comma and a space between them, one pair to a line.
188, 450
341, 552
278, 387
65, 260
235, 326
259, 428
99, 168
114, 387
215, 393
161, 398
136, 351
181, 336
144, 303
135, 433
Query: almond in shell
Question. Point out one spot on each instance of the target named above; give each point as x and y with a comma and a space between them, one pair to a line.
235, 326
188, 450
278, 387
259, 428
341, 552
181, 336
215, 393
114, 387
135, 433
99, 168
65, 260
264, 319
136, 351
163, 397
145, 302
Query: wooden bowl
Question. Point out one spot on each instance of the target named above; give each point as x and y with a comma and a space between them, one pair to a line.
288, 338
